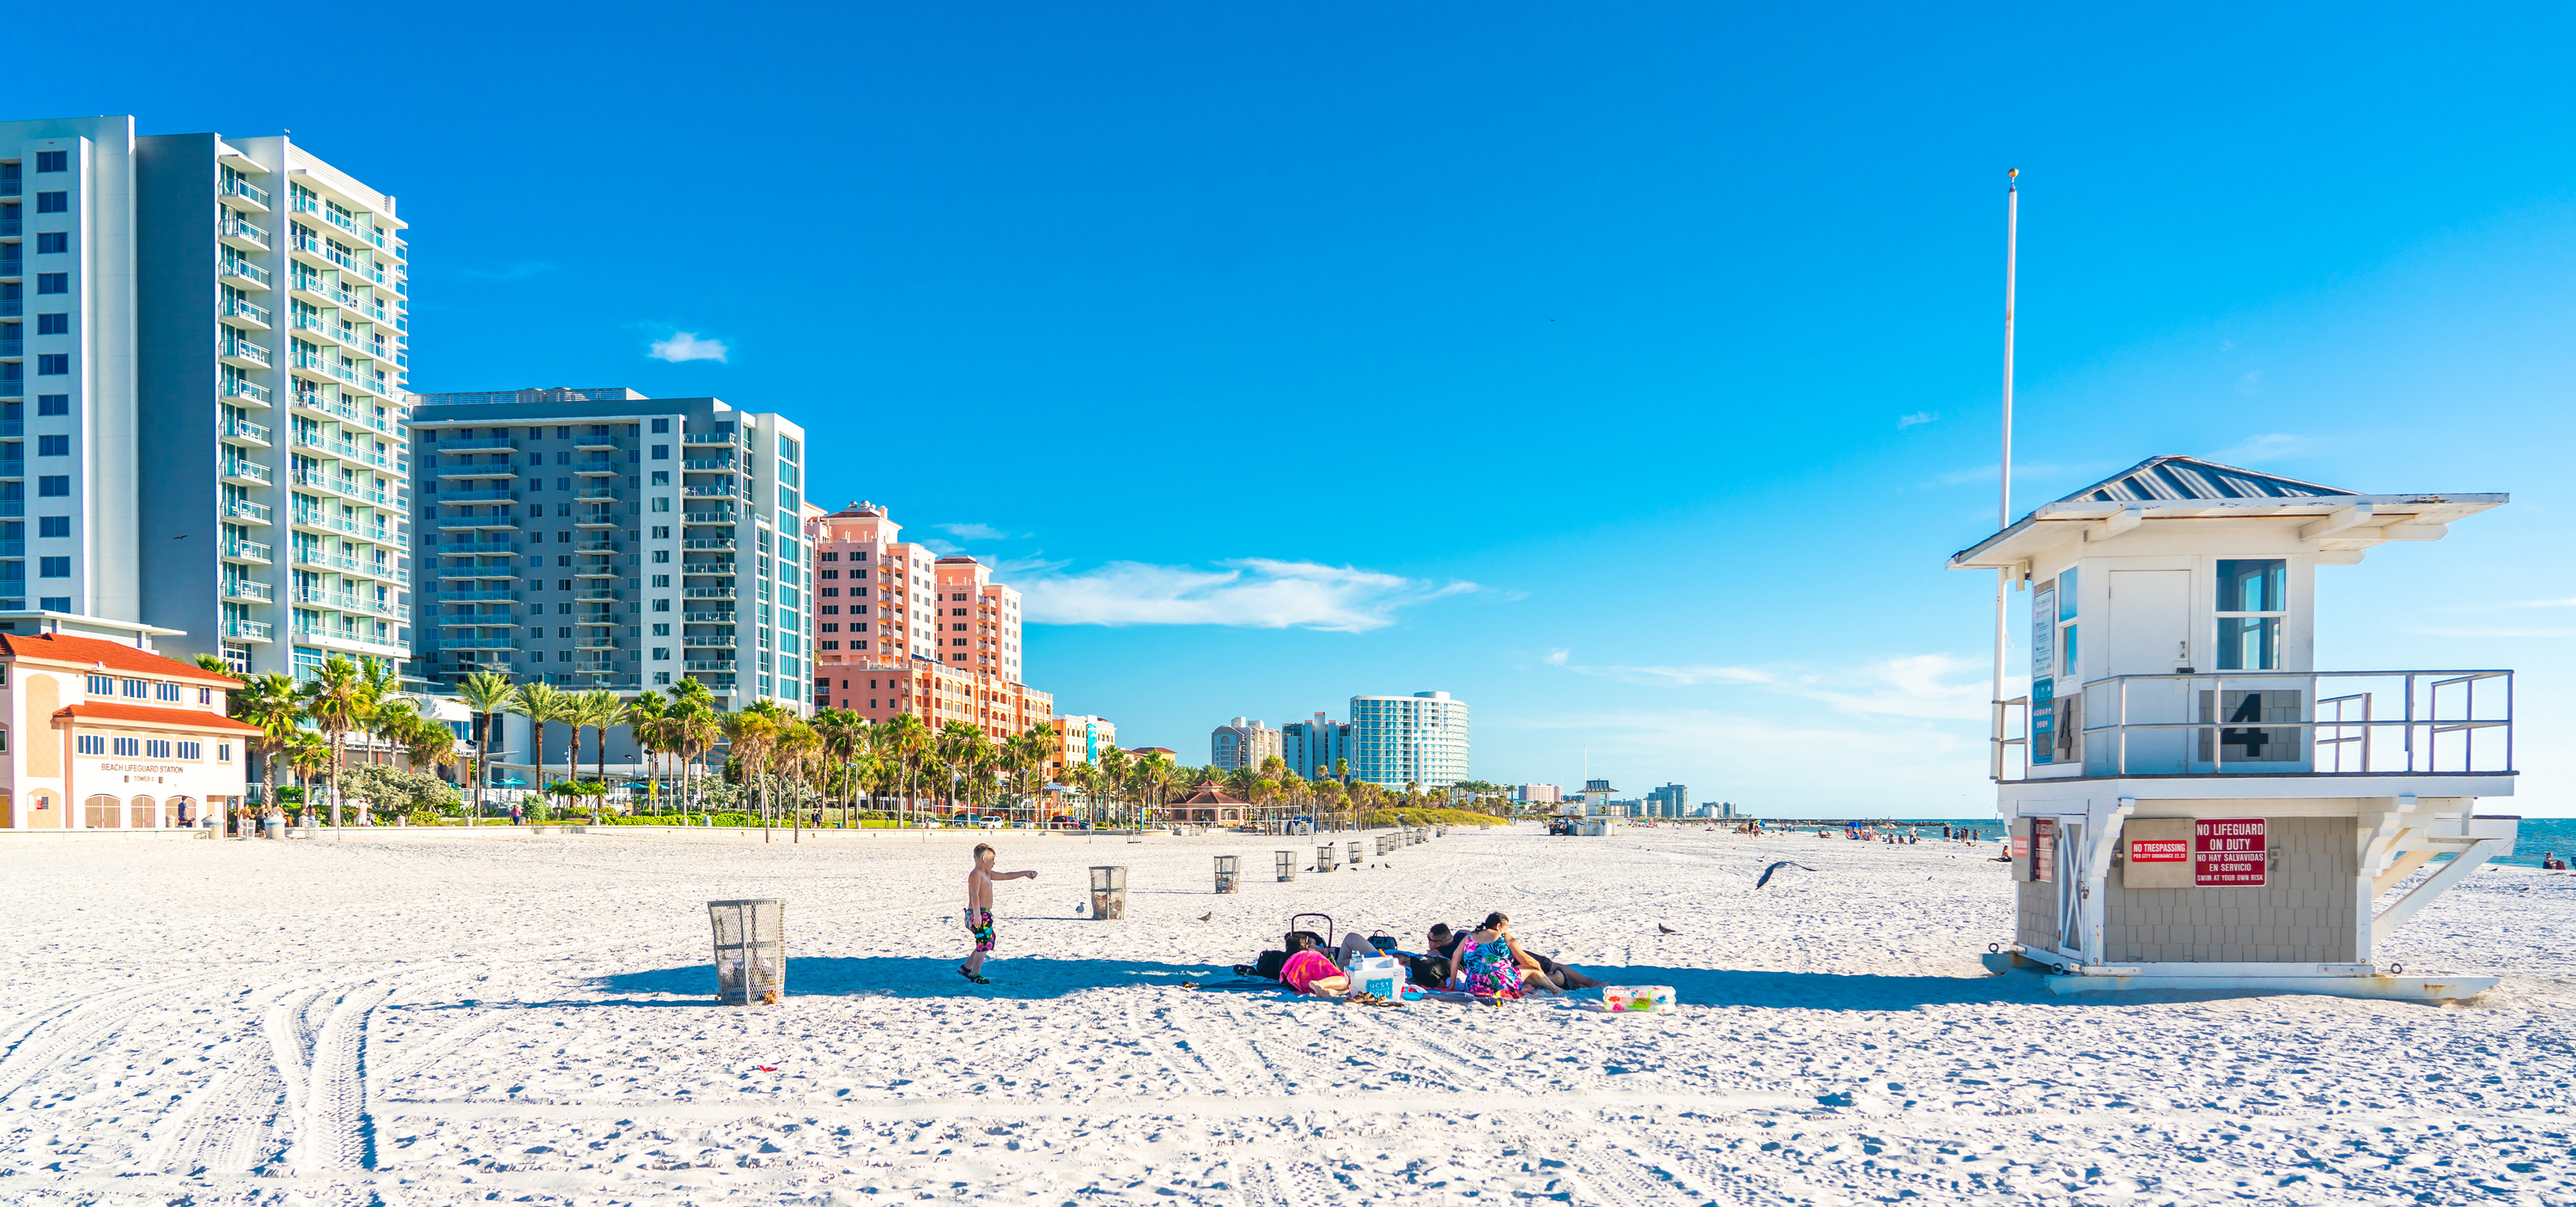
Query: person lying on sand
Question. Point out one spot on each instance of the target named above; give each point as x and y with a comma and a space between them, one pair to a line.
1310, 971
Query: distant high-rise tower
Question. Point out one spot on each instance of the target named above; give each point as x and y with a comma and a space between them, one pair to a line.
1419, 739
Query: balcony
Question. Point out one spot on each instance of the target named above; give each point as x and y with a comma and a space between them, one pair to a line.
347, 601
702, 569
242, 431
595, 547
588, 493
246, 473
588, 642
357, 643
234, 188
460, 497
248, 590
243, 273
710, 664
478, 643
237, 308
703, 518
477, 549
482, 573
723, 466
250, 630
248, 512
697, 642
600, 618
478, 523
724, 617
697, 439
706, 593
237, 233
595, 442
598, 572
249, 393
469, 446
599, 469
241, 353
598, 521
2251, 723
476, 596
709, 492
724, 543
593, 592
246, 551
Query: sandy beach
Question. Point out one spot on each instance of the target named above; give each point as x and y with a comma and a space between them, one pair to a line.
442, 1019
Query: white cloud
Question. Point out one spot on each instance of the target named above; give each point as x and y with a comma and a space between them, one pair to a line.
975, 532
1245, 593
1919, 686
1906, 421
685, 345
935, 545
2271, 446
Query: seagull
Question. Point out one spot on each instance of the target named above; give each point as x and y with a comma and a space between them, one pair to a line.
1204, 917
1766, 872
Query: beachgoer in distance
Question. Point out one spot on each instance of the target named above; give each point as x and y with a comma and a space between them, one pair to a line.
979, 909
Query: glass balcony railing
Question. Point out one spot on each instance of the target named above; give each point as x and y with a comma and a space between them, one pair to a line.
246, 430
237, 308
250, 470
235, 228
251, 589
235, 186
242, 349
244, 509
244, 270
249, 551
250, 630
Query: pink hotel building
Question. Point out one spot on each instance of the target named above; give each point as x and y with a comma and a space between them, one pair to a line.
900, 629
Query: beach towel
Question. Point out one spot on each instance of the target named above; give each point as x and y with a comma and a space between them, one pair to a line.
1305, 968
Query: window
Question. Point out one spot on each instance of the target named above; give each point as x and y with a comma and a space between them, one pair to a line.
53, 364
192, 751
55, 486
166, 691
205, 695
661, 452
563, 458
54, 525
156, 748
53, 282
661, 580
53, 161
661, 502
54, 324
661, 532
53, 446
53, 404
662, 477
50, 242
661, 605
55, 567
661, 555
127, 748
53, 203
137, 688
562, 584
55, 603
662, 630
2253, 600
829, 574
661, 427
565, 634
93, 744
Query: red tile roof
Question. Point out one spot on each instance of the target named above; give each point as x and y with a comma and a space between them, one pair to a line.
1210, 794
115, 656
190, 717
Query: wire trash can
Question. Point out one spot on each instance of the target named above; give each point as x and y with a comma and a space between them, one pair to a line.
1324, 857
751, 951
1229, 873
1287, 864
1108, 894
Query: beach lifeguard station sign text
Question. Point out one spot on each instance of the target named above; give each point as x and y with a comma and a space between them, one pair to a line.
2194, 852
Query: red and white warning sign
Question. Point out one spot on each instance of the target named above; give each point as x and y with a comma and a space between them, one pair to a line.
2228, 852
2159, 850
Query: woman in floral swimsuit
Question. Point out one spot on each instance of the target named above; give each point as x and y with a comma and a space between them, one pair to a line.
1484, 963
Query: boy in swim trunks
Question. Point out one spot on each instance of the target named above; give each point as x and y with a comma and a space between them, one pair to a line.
979, 910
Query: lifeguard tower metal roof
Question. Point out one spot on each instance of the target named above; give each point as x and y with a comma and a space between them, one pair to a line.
2188, 488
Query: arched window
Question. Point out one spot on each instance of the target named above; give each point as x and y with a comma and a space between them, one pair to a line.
99, 813
183, 810
141, 815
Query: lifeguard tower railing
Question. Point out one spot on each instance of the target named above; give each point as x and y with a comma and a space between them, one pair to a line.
2419, 722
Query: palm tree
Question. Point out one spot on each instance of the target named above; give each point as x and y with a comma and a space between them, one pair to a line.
904, 741
540, 702
271, 703
648, 717
1114, 767
428, 743
383, 688
694, 725
600, 709
213, 665
961, 749
844, 734
487, 694
339, 697
1028, 755
801, 751
751, 731
307, 752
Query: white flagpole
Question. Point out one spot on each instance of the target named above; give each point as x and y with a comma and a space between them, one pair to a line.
2003, 502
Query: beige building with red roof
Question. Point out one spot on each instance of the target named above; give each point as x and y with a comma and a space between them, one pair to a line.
98, 734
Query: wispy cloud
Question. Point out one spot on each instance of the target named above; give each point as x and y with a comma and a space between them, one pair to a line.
1906, 421
510, 272
2271, 446
1920, 686
935, 545
1245, 593
685, 346
975, 532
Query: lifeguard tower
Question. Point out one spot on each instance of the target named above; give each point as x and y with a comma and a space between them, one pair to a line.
2194, 804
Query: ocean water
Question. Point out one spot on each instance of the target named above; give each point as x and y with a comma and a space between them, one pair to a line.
2536, 837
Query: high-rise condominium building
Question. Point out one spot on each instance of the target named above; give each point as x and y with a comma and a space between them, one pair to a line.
1239, 743
600, 538
901, 629
1316, 748
202, 350
1419, 739
1671, 800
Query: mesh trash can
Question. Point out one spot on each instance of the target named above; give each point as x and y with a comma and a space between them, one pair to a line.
1287, 865
1229, 873
1108, 894
1354, 860
1324, 857
751, 951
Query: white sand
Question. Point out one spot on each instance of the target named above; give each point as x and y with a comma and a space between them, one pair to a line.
525, 1020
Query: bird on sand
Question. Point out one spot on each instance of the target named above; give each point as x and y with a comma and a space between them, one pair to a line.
1666, 929
1204, 917
1785, 863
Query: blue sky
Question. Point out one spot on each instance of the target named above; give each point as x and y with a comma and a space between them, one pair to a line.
1625, 371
